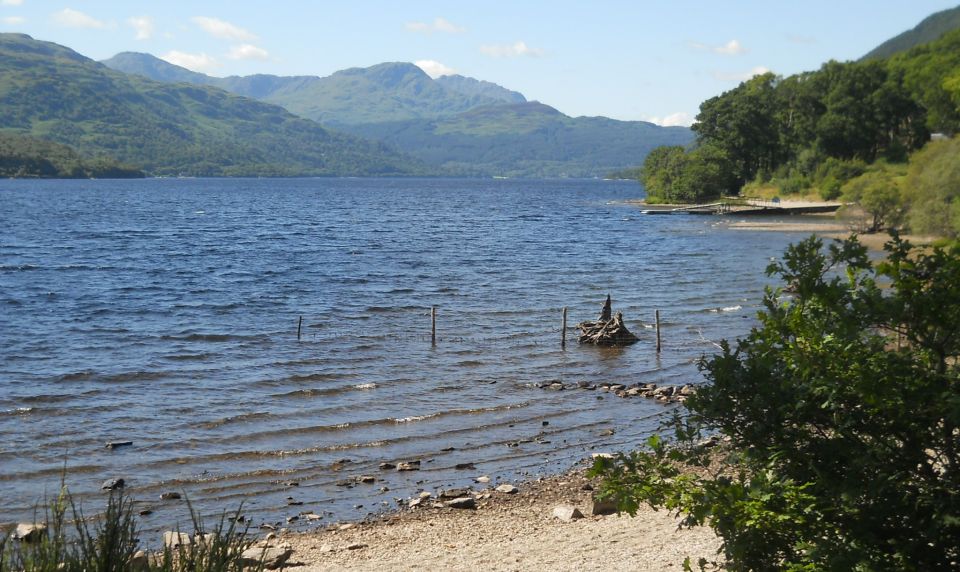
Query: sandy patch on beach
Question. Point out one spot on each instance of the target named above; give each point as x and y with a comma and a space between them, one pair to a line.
507, 532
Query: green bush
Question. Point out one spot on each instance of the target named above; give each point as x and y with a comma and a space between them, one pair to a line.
841, 410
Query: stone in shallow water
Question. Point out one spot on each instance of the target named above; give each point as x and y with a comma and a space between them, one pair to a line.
27, 532
112, 484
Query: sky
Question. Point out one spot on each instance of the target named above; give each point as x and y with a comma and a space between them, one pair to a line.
651, 60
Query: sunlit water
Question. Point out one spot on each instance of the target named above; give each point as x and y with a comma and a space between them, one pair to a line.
165, 312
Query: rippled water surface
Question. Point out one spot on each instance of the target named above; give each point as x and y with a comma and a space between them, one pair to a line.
165, 312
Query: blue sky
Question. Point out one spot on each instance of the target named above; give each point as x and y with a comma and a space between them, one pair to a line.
654, 60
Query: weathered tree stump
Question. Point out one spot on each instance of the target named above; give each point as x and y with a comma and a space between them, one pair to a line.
607, 330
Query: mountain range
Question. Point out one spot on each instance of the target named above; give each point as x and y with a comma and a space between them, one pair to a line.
62, 114
49, 92
455, 124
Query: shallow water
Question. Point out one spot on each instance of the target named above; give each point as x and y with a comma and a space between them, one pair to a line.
165, 312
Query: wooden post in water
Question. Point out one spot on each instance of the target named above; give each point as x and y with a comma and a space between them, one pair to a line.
563, 329
657, 315
433, 325
299, 325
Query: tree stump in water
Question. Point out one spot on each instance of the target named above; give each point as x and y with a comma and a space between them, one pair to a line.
607, 330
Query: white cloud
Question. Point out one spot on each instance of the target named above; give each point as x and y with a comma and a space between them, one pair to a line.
12, 20
511, 50
248, 52
434, 68
738, 77
731, 48
222, 29
69, 18
143, 25
680, 118
438, 25
11, 2
196, 62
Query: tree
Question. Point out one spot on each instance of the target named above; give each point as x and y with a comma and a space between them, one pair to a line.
842, 411
673, 175
661, 169
878, 195
932, 185
742, 124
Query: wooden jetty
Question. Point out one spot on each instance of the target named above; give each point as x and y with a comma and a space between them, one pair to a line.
748, 208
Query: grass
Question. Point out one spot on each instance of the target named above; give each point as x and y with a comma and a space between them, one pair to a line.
110, 543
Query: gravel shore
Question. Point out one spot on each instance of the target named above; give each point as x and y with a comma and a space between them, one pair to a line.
506, 531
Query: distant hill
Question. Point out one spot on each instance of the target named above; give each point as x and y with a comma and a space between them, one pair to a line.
385, 92
526, 140
462, 125
50, 92
930, 29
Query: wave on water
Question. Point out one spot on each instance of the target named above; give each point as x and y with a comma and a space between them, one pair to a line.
209, 337
82, 375
326, 391
189, 357
725, 309
389, 309
18, 411
242, 418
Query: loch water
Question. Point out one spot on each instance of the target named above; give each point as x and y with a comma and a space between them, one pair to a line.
165, 312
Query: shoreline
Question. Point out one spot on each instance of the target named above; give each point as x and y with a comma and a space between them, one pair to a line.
505, 531
812, 223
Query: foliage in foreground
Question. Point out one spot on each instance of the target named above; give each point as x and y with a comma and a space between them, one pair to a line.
842, 410
111, 544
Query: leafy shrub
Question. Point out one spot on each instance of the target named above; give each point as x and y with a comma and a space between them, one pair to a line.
842, 411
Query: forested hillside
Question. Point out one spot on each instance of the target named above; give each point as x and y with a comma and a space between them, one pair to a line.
929, 30
28, 157
822, 131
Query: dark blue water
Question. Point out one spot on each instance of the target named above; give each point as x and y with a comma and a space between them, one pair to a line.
165, 312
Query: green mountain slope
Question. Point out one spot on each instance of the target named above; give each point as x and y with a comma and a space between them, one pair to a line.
470, 86
460, 124
384, 92
257, 86
27, 157
526, 140
50, 92
930, 29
